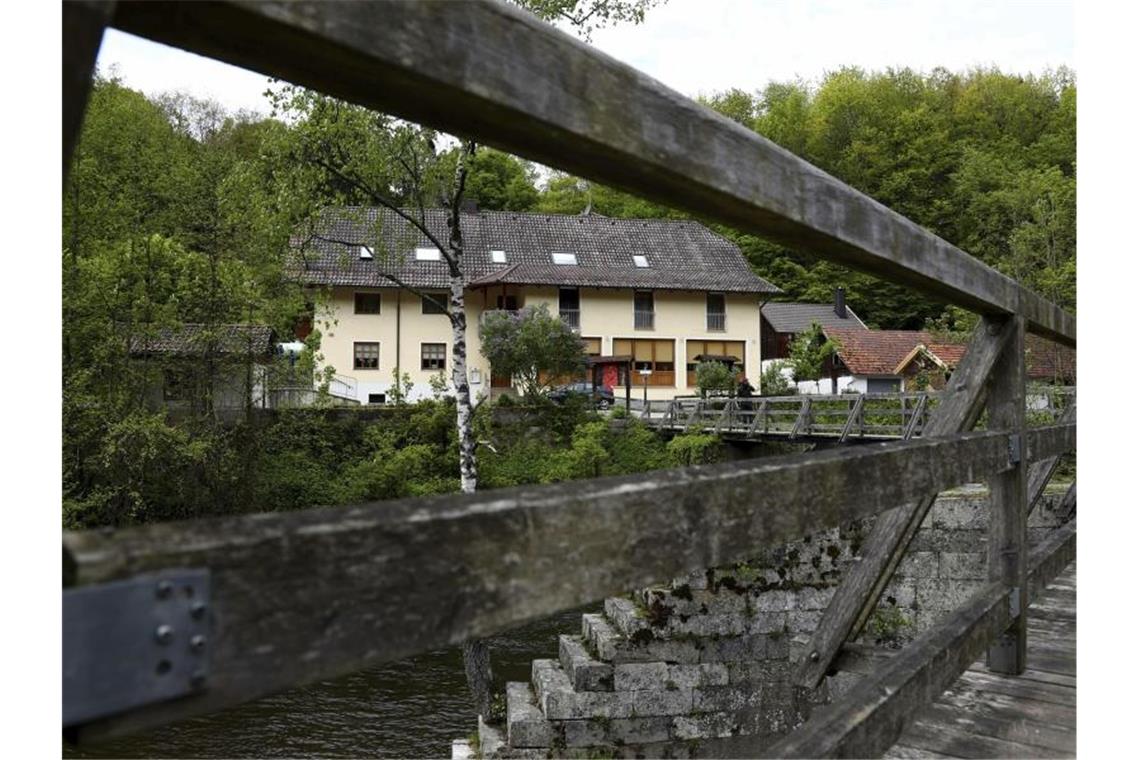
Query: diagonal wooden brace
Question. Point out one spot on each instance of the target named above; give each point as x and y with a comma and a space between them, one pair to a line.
859, 592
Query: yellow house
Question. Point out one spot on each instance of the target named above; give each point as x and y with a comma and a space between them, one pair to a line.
661, 291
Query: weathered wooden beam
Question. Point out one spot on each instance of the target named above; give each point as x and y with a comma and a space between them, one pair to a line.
1009, 508
497, 74
1042, 472
859, 591
868, 719
302, 596
83, 25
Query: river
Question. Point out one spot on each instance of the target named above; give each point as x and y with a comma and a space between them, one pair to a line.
410, 708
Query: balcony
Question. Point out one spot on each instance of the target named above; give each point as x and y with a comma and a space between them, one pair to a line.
715, 322
571, 317
642, 320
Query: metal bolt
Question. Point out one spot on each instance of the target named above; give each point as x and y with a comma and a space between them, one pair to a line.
814, 656
198, 679
197, 610
164, 589
198, 642
163, 634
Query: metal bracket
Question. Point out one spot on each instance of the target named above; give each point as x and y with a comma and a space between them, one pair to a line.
1015, 603
134, 642
1015, 448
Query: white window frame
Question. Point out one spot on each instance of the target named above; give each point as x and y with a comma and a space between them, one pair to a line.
498, 257
564, 259
427, 254
640, 261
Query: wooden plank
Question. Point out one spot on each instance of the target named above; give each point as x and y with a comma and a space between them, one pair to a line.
83, 24
901, 750
980, 717
497, 74
1009, 508
307, 595
1032, 674
859, 591
996, 683
962, 742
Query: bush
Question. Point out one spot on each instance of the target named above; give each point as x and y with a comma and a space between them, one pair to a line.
694, 448
716, 378
773, 382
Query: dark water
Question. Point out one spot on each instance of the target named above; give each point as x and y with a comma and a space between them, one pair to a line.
411, 708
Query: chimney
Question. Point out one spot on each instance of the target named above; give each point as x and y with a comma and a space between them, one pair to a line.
841, 303
469, 206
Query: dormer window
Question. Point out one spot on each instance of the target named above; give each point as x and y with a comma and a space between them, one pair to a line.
427, 254
565, 259
640, 261
498, 257
365, 253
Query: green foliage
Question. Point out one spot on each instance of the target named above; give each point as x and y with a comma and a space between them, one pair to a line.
400, 388
588, 15
694, 448
715, 378
808, 352
773, 381
532, 346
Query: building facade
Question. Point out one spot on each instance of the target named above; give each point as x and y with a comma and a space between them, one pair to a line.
660, 291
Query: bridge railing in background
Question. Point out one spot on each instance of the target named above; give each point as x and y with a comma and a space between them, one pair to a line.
291, 598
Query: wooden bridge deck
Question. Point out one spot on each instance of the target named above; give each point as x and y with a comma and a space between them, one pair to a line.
1031, 715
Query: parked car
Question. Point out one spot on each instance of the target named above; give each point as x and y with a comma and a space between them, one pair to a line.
603, 397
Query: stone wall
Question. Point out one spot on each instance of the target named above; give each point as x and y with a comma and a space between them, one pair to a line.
701, 666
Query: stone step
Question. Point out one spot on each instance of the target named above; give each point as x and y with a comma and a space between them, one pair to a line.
584, 671
558, 700
625, 616
461, 749
526, 725
611, 646
490, 740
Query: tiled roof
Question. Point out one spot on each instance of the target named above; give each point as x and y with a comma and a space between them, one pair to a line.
193, 339
876, 352
1046, 360
797, 317
682, 255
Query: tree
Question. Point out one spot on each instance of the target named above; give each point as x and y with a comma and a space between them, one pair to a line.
773, 382
808, 351
532, 346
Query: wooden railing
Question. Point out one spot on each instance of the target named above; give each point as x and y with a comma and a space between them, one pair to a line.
842, 418
290, 598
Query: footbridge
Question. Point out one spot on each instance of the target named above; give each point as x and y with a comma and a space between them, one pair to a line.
164, 622
843, 418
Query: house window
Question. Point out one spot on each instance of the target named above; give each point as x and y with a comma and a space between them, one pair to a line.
640, 261
366, 356
714, 312
435, 304
498, 257
365, 253
507, 303
427, 254
376, 398
568, 307
592, 346
433, 356
721, 348
565, 259
177, 384
367, 303
643, 309
653, 355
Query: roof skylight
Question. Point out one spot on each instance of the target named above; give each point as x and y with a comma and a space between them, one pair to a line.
427, 254
365, 252
565, 259
640, 261
498, 257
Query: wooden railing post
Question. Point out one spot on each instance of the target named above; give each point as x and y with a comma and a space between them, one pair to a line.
1009, 507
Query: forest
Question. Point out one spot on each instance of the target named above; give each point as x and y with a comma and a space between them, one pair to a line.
176, 211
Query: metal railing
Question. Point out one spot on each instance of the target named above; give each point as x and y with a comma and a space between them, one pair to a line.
570, 317
715, 322
642, 320
408, 576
